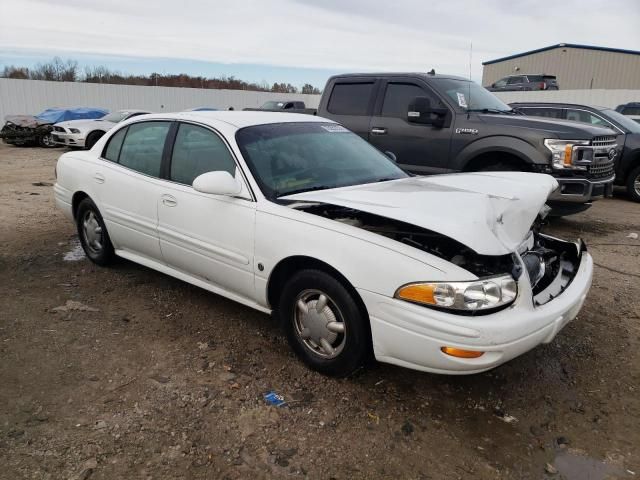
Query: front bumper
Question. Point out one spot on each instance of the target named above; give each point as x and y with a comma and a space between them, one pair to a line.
68, 139
582, 190
411, 335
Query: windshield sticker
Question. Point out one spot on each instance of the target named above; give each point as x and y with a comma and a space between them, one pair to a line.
335, 128
462, 101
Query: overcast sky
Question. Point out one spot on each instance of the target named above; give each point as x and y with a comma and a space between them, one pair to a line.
278, 40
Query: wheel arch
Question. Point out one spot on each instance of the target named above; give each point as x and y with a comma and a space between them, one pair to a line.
75, 201
288, 266
501, 146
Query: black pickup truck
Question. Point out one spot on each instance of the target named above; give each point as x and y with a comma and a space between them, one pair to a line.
440, 123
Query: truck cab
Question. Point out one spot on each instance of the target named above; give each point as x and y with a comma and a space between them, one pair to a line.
442, 124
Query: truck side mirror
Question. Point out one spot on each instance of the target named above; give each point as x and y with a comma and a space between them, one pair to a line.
421, 111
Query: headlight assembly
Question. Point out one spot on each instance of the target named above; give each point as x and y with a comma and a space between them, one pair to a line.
564, 152
74, 130
483, 294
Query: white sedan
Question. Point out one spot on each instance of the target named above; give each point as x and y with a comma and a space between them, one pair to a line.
297, 216
85, 133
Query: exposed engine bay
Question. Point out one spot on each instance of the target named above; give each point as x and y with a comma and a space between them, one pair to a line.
550, 263
426, 240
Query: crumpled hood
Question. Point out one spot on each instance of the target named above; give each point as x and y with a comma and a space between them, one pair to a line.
85, 125
490, 212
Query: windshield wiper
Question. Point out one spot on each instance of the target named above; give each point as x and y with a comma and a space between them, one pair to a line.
278, 194
492, 110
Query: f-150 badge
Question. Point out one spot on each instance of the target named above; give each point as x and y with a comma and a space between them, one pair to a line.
467, 131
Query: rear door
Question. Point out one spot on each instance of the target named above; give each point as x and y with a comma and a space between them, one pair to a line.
129, 186
418, 148
207, 236
351, 103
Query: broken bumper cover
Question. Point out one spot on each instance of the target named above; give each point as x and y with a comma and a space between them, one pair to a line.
412, 336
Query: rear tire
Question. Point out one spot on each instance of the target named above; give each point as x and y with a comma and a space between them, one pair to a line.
633, 184
93, 233
324, 324
92, 138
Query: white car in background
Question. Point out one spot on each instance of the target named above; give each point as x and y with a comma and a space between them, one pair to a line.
296, 215
85, 133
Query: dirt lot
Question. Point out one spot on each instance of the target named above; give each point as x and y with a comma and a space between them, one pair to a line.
148, 377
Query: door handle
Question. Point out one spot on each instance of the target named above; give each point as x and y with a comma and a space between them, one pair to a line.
379, 131
169, 200
98, 177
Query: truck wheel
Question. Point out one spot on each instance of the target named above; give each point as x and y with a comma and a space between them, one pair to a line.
633, 184
92, 138
323, 323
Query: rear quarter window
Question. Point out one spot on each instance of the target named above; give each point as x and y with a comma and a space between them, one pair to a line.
112, 150
350, 98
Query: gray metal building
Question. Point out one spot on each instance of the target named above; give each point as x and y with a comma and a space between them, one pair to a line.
576, 66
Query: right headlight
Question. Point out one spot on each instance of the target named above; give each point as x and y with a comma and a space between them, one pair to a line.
562, 152
483, 294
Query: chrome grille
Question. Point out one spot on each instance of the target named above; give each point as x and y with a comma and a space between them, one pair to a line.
601, 169
605, 141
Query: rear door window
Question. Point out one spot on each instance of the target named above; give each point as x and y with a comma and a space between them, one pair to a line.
197, 151
398, 96
112, 150
143, 146
350, 98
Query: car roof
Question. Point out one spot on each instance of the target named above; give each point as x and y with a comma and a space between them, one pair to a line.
557, 104
399, 74
238, 118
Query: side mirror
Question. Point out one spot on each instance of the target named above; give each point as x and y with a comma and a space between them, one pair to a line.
391, 155
421, 111
217, 183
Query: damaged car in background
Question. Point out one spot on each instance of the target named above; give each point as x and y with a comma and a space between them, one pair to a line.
30, 130
85, 133
299, 217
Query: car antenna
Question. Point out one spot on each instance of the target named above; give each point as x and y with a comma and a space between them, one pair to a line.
470, 58
431, 72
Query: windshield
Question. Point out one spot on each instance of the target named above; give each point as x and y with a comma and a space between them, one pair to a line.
623, 121
469, 96
287, 158
272, 105
115, 117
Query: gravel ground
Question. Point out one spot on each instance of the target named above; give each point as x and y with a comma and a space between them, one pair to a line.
127, 373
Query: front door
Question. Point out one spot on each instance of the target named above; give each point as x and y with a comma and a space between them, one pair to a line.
206, 236
418, 148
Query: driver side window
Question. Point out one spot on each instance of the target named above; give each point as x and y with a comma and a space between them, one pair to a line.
398, 96
198, 150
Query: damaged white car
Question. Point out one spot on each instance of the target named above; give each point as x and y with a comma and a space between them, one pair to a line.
298, 216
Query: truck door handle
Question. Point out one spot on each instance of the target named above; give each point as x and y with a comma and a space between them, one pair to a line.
98, 177
169, 200
379, 131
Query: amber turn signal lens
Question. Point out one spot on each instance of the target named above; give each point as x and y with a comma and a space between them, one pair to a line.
421, 293
568, 154
456, 352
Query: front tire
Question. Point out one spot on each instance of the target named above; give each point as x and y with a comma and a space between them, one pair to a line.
93, 233
46, 141
633, 184
324, 324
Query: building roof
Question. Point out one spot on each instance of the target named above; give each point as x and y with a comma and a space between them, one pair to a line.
562, 45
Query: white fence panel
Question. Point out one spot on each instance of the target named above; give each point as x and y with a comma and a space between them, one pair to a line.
32, 96
599, 97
